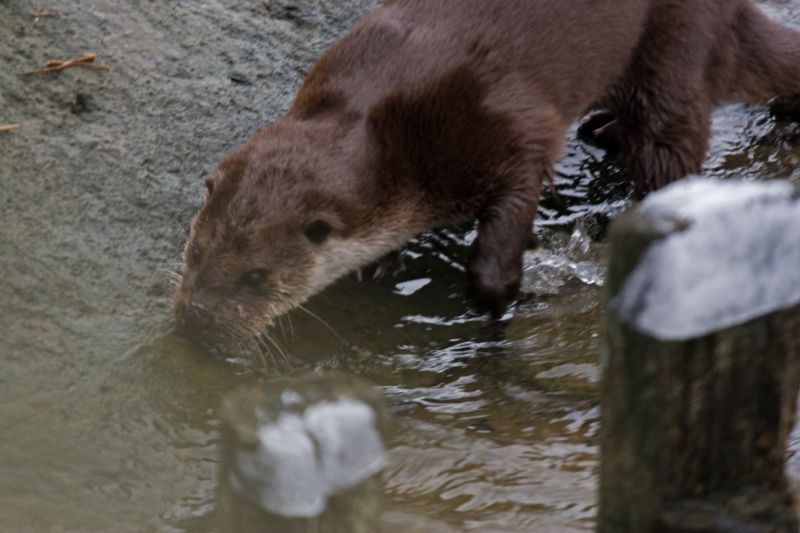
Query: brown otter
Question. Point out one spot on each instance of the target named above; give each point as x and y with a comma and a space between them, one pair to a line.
434, 111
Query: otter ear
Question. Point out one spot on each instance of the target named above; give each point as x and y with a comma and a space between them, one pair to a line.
323, 225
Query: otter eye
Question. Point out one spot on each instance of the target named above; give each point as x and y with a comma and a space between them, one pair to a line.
209, 185
254, 278
318, 231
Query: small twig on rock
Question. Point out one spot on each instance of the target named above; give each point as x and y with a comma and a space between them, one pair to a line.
54, 65
9, 127
42, 13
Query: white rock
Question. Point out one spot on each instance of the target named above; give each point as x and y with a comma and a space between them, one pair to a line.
303, 459
737, 258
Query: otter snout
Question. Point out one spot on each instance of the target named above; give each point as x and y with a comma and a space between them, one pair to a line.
204, 318
192, 317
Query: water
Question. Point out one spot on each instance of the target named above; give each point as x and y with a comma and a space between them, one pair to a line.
109, 422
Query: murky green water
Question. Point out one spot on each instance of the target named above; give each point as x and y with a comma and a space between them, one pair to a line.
109, 422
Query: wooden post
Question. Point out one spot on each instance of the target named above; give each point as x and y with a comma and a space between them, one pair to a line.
701, 374
302, 455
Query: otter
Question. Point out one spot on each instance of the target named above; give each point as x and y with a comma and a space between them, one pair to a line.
431, 112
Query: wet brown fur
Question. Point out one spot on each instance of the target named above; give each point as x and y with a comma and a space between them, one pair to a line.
434, 111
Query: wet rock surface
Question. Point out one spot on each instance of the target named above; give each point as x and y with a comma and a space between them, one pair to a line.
99, 184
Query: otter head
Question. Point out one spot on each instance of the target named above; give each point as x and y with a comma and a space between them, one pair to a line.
280, 222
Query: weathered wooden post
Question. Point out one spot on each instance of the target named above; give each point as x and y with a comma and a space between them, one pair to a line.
302, 455
703, 363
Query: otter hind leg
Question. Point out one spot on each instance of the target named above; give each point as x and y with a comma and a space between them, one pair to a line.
662, 146
665, 98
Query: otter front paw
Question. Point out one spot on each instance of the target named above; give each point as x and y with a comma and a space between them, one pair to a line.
492, 286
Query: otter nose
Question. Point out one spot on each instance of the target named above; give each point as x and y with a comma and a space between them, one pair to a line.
192, 316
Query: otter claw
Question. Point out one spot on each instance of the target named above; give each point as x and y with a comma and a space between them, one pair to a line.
600, 129
380, 271
391, 261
